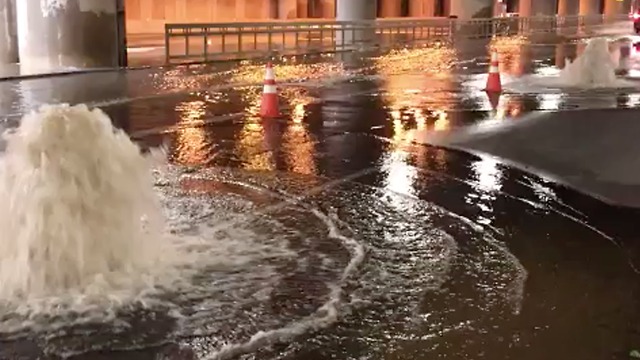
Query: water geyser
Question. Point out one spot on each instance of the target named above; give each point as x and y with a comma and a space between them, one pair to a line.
594, 68
78, 213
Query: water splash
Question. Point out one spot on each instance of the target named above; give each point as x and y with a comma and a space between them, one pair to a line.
595, 68
79, 212
89, 243
51, 7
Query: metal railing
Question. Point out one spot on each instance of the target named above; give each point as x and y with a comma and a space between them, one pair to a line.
205, 42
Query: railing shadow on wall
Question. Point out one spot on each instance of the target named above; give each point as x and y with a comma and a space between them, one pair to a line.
226, 41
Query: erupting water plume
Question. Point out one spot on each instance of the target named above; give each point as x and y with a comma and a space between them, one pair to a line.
594, 68
78, 214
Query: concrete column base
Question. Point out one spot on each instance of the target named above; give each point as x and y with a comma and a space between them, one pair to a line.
8, 32
79, 34
465, 9
355, 10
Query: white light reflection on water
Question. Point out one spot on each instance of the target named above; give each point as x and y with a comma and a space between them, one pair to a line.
634, 100
442, 122
550, 101
488, 177
400, 174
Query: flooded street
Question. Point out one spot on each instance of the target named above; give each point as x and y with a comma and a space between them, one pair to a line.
347, 228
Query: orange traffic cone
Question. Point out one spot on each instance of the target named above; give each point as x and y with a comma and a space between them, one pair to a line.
494, 83
269, 107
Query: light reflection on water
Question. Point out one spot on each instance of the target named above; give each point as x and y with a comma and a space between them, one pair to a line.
298, 145
251, 149
420, 87
513, 54
442, 122
291, 71
414, 103
400, 175
417, 93
192, 143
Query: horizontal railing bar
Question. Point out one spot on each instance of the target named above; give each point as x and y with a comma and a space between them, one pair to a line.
214, 40
266, 32
388, 22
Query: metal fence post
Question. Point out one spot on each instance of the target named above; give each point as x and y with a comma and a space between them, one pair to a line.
167, 43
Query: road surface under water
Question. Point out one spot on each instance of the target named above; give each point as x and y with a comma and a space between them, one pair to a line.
346, 239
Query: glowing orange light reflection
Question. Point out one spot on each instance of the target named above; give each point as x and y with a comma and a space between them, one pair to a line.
250, 147
509, 107
512, 52
416, 79
191, 139
297, 144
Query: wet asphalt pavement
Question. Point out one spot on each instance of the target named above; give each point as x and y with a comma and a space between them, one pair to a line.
465, 257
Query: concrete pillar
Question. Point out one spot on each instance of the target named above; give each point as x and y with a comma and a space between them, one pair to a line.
355, 10
499, 8
8, 32
589, 7
416, 8
544, 8
270, 11
563, 11
563, 7
422, 8
561, 55
528, 8
75, 33
329, 9
466, 9
288, 9
613, 8
525, 8
460, 9
390, 8
303, 9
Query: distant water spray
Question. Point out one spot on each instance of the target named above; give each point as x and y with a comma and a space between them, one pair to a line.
594, 68
78, 210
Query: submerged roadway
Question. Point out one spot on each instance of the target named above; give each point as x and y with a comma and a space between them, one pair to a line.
488, 229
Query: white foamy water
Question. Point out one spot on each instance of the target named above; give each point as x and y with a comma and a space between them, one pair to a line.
79, 213
84, 231
96, 237
595, 68
91, 232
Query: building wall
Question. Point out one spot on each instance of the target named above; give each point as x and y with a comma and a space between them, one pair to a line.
149, 16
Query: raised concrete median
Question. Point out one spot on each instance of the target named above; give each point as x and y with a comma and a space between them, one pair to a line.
592, 151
